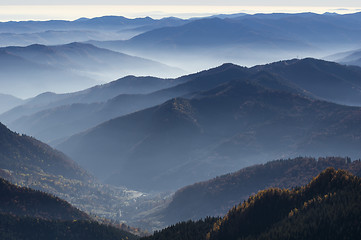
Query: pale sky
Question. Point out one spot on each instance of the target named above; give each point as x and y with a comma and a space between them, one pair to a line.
337, 3
73, 9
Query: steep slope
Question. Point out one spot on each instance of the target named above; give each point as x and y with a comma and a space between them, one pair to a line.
185, 230
22, 201
327, 208
29, 214
21, 153
230, 126
215, 197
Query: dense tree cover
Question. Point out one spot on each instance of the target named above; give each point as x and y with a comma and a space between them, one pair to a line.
21, 201
17, 228
216, 196
30, 214
327, 208
190, 230
25, 154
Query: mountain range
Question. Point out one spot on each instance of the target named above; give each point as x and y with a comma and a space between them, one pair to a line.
54, 32
67, 114
284, 92
229, 126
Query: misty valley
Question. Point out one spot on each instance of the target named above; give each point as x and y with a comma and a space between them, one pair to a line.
239, 126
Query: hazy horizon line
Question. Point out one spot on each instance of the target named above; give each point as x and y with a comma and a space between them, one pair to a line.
73, 12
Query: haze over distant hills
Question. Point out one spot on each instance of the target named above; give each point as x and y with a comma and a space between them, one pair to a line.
8, 102
349, 57
54, 32
66, 68
245, 40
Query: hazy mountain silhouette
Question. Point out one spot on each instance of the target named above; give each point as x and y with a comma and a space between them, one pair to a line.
52, 32
348, 57
8, 102
66, 68
244, 40
233, 125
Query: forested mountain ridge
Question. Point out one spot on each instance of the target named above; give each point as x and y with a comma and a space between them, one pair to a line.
326, 208
185, 230
216, 196
18, 228
20, 153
